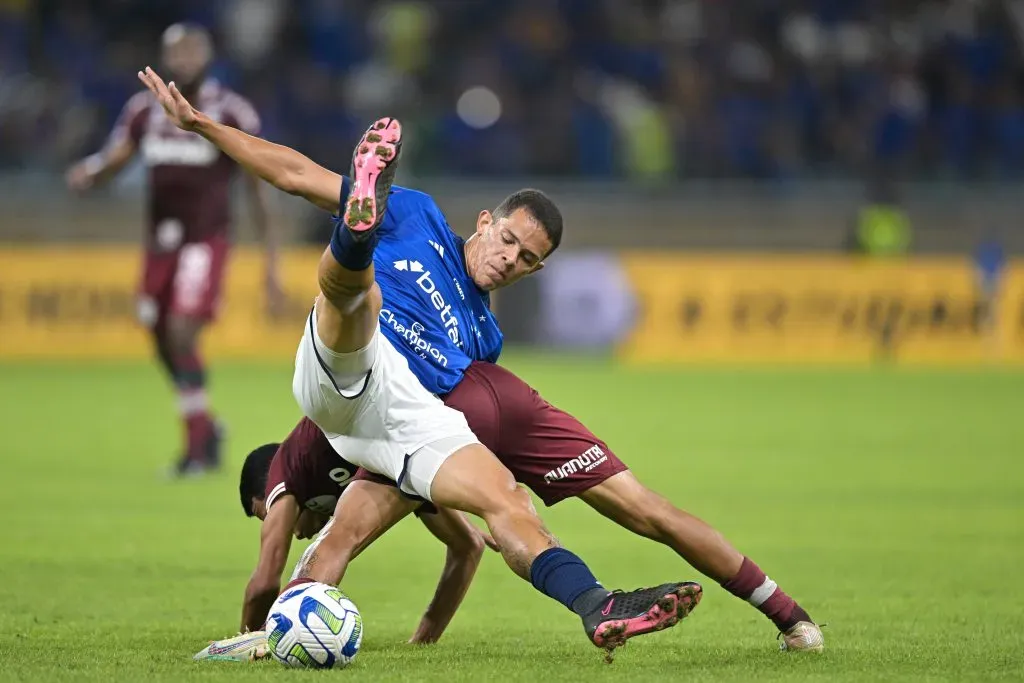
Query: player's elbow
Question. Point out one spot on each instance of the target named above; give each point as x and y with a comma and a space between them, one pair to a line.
288, 180
303, 178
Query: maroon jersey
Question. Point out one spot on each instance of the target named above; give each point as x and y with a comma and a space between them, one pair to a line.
307, 467
189, 178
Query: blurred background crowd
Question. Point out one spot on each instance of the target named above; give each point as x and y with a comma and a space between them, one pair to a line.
642, 89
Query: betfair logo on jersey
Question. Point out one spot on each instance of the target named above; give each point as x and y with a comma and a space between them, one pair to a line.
449, 321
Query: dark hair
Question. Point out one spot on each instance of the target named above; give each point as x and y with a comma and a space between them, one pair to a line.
254, 476
540, 207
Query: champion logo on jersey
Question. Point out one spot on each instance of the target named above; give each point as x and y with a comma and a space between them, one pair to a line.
437, 247
406, 264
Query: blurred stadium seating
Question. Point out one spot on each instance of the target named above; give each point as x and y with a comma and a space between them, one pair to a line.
664, 124
783, 89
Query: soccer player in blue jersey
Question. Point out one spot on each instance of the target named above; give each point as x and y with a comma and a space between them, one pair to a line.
359, 389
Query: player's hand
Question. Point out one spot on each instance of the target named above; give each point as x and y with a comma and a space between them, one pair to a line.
80, 177
427, 634
178, 109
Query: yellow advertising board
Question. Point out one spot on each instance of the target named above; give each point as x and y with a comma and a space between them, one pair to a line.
824, 309
79, 302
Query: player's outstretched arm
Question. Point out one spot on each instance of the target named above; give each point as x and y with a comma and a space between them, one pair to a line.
275, 542
466, 546
100, 167
282, 167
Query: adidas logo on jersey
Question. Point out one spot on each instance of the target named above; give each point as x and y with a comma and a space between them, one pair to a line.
406, 264
437, 247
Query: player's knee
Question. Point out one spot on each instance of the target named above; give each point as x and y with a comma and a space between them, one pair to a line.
519, 499
512, 503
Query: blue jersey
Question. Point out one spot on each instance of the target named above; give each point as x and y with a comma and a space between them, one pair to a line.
433, 312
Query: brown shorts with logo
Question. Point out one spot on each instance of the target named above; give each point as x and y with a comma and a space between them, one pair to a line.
547, 449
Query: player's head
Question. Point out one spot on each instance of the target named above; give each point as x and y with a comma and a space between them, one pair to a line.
186, 51
513, 240
253, 486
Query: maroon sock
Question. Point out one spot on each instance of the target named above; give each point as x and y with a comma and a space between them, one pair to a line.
198, 431
192, 402
751, 584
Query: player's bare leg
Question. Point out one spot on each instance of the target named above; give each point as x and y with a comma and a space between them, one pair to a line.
473, 480
178, 337
350, 300
367, 510
626, 501
520, 533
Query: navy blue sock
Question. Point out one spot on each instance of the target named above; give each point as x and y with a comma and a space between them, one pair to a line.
351, 253
560, 574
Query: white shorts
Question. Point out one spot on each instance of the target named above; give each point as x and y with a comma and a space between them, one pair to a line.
375, 412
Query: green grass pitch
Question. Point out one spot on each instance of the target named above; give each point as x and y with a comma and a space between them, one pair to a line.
889, 502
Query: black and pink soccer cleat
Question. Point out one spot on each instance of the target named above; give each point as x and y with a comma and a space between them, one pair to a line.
625, 615
374, 163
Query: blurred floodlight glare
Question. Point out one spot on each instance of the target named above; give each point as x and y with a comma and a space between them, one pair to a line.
479, 107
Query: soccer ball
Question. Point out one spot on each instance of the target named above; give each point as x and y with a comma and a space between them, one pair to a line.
314, 626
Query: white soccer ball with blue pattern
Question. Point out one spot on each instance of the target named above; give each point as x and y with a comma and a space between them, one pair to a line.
314, 626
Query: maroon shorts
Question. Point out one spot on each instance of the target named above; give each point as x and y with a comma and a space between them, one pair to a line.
547, 449
185, 281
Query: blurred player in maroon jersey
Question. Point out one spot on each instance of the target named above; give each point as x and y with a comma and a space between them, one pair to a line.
189, 216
